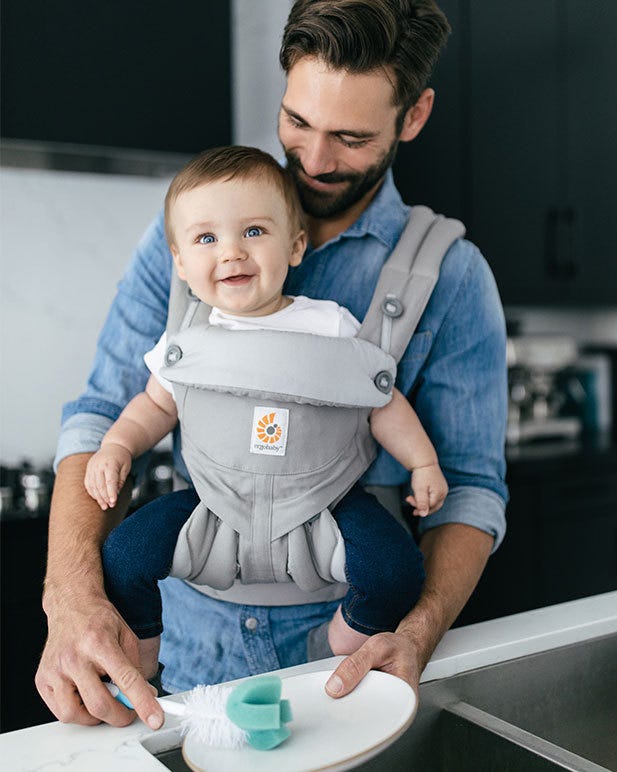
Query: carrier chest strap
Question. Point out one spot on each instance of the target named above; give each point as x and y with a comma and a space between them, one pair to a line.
407, 280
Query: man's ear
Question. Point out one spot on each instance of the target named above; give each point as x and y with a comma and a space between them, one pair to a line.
177, 261
298, 248
417, 115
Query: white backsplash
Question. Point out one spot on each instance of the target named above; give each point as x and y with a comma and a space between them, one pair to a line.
65, 240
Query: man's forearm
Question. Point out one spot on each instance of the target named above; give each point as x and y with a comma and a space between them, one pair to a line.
454, 557
77, 529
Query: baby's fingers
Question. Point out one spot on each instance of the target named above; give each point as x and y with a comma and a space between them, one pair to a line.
111, 486
436, 499
420, 502
93, 486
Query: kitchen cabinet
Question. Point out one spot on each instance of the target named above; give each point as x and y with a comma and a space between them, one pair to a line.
521, 141
561, 542
23, 545
147, 76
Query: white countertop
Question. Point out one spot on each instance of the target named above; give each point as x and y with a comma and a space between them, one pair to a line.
59, 747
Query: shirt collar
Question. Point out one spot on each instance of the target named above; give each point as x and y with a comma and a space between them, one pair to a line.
384, 218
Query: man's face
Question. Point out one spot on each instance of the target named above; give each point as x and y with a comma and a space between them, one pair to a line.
338, 133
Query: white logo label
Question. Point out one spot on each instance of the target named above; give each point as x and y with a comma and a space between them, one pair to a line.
269, 435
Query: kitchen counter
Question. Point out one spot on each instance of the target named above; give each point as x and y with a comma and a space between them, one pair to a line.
59, 747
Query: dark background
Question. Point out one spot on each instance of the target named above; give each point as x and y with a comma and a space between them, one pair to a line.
136, 74
520, 145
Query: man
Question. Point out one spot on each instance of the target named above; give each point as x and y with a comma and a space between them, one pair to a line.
356, 86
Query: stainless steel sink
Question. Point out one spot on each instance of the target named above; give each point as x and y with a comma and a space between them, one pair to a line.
552, 710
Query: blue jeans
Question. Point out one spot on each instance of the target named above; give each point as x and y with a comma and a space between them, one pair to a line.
383, 565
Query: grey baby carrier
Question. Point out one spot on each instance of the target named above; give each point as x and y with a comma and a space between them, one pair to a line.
275, 424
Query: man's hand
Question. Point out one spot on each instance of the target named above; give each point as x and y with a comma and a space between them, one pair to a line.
454, 558
394, 653
88, 639
106, 473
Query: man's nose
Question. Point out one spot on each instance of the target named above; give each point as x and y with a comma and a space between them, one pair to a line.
318, 157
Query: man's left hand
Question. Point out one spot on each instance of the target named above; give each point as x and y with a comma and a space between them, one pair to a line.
394, 653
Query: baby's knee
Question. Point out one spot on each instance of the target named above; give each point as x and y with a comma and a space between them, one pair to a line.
405, 573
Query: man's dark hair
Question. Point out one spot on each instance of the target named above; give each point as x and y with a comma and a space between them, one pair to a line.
359, 36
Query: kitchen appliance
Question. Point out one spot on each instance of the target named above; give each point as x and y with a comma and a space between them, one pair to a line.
541, 385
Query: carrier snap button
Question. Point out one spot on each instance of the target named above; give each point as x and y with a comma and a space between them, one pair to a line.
251, 623
392, 307
173, 355
383, 381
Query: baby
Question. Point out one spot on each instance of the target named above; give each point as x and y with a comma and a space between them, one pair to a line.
234, 225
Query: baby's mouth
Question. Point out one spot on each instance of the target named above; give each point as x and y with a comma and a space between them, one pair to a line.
237, 280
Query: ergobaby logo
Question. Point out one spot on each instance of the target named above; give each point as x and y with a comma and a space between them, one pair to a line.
269, 435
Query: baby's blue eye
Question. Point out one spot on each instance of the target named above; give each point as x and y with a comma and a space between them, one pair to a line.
253, 231
206, 238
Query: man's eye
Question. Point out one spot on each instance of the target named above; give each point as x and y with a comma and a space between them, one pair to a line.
353, 143
206, 238
253, 231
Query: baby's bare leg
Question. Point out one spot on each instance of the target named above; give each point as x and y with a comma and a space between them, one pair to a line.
342, 638
149, 655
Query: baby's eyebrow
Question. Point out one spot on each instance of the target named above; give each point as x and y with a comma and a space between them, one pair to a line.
204, 226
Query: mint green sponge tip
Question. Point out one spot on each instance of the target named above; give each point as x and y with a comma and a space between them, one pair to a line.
255, 705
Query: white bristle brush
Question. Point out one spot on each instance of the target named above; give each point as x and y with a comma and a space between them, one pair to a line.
203, 714
224, 716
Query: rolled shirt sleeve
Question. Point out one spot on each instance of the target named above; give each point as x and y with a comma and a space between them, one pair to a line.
462, 396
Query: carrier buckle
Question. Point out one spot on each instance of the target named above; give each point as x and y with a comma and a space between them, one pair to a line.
383, 380
173, 355
392, 307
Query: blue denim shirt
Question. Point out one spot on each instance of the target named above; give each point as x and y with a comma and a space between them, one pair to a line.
454, 369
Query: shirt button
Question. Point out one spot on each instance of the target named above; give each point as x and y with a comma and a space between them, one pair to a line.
251, 623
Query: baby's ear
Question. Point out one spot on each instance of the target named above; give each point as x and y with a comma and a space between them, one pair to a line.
298, 248
177, 261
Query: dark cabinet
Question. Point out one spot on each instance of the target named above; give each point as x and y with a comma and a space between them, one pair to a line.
523, 133
561, 542
24, 628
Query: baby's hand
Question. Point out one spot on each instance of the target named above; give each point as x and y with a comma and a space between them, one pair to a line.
106, 473
429, 490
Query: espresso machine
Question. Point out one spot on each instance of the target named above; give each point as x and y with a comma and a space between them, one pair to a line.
540, 387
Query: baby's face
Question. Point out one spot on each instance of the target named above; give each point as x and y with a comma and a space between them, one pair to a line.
234, 244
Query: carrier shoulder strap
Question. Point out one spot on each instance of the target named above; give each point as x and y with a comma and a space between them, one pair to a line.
408, 278
184, 307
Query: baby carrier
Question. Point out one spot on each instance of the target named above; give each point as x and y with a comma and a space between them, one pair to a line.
275, 424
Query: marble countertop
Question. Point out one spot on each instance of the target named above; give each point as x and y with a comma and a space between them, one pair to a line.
59, 747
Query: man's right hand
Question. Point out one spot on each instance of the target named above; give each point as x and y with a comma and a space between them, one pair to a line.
89, 639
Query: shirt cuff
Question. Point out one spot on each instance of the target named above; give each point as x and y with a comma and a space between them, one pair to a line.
83, 433
479, 507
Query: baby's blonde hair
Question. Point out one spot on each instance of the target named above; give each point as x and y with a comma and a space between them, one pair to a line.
234, 162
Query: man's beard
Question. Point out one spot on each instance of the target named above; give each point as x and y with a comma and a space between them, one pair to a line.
319, 203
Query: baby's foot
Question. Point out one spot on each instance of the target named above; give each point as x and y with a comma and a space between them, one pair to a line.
342, 638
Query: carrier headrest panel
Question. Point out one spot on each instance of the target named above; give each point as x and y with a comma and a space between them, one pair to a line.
294, 366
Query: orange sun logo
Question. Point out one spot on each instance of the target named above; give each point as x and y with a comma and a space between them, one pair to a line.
267, 430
